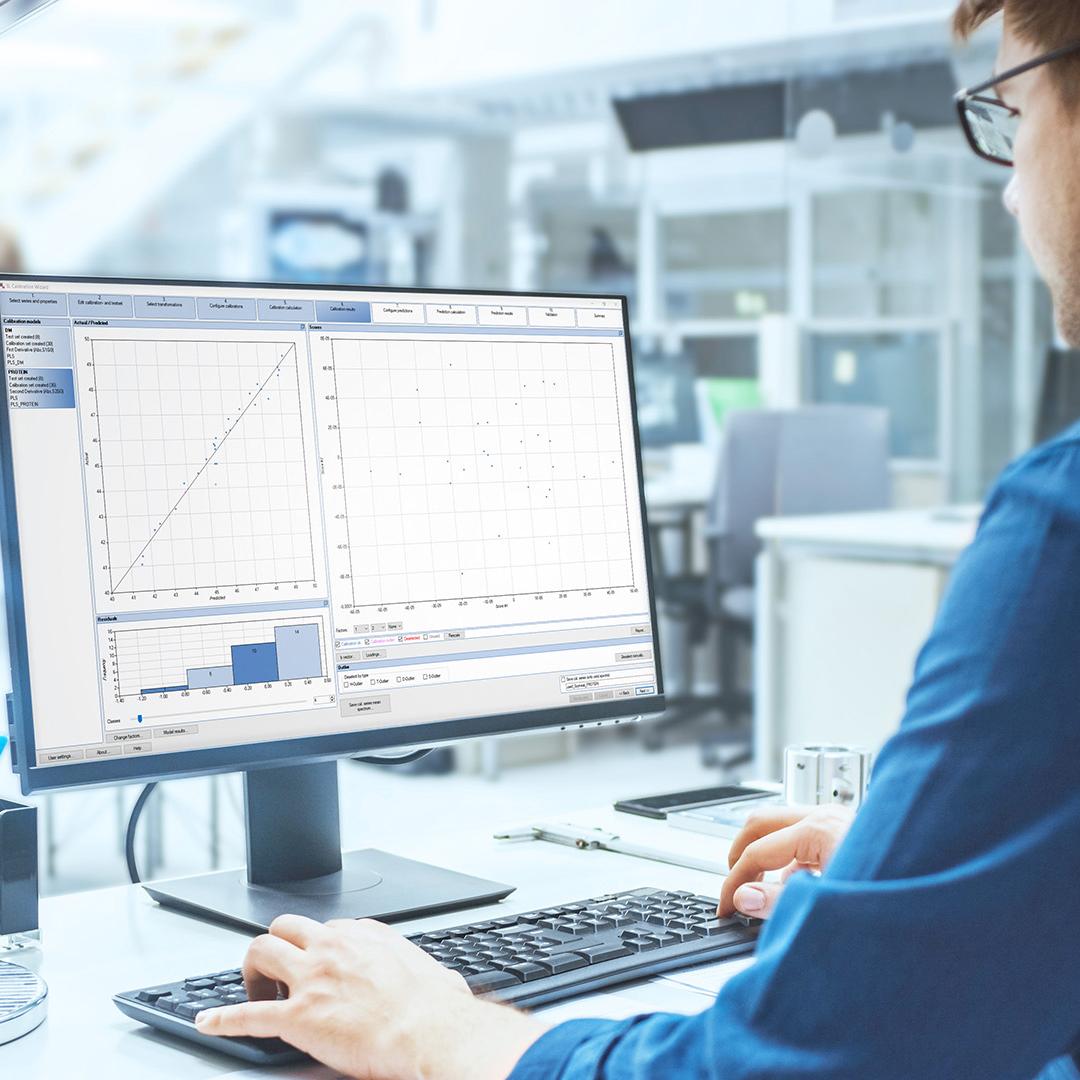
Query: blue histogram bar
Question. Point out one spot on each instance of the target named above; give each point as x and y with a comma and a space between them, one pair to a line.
298, 652
163, 690
202, 678
254, 663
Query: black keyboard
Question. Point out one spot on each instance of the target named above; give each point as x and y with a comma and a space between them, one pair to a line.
530, 959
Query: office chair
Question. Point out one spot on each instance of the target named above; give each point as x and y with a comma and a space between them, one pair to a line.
812, 460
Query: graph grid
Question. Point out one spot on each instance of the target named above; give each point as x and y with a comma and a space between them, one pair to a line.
204, 471
480, 469
195, 656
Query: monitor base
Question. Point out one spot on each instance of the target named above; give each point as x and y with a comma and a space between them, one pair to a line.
370, 885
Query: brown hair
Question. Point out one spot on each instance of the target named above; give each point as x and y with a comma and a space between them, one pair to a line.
1046, 24
10, 259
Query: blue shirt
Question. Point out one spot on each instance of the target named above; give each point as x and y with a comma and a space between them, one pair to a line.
944, 939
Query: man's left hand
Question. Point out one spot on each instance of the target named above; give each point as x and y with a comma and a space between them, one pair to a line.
370, 1004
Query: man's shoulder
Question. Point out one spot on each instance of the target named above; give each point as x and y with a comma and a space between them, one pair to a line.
1049, 474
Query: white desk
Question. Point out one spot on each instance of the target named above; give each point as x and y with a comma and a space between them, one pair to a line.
844, 603
116, 939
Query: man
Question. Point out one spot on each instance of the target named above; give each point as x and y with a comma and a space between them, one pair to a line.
943, 939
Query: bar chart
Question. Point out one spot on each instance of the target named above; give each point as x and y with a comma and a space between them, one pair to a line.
212, 655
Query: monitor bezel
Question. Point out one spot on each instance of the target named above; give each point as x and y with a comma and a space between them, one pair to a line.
300, 751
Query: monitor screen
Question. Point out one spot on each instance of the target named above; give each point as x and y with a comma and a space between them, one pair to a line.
251, 523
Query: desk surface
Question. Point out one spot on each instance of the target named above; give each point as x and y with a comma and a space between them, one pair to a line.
101, 942
944, 531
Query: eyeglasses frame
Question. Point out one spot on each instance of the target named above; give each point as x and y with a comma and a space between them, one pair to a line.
974, 93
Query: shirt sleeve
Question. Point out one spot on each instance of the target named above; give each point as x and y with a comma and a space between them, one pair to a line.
943, 942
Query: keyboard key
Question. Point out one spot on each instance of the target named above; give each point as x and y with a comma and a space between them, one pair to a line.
599, 953
172, 1002
561, 962
486, 982
198, 984
527, 972
154, 992
190, 1009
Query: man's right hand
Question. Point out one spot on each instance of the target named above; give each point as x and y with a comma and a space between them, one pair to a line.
787, 838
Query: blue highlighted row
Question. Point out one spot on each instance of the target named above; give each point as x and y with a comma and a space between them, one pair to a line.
293, 654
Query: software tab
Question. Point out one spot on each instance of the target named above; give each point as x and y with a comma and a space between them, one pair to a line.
502, 316
551, 316
398, 313
33, 303
165, 307
287, 310
220, 307
599, 317
449, 314
343, 311
101, 304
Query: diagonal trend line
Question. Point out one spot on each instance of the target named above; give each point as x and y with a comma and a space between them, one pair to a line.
183, 494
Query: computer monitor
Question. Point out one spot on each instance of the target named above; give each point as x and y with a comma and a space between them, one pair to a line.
257, 527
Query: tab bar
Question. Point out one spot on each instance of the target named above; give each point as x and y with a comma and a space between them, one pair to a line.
343, 311
451, 314
33, 303
290, 310
551, 316
226, 307
502, 316
398, 313
165, 307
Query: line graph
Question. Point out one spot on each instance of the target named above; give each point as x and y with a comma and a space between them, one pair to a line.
477, 469
204, 477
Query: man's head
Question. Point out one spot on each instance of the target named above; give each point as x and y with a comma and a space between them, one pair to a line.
1044, 192
10, 259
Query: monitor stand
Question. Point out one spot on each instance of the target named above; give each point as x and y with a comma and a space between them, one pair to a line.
295, 864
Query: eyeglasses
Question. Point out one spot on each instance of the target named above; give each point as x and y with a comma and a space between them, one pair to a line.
989, 124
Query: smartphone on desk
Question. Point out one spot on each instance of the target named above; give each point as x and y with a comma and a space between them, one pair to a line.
659, 806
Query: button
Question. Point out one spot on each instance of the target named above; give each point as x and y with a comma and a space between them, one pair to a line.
186, 729
640, 631
604, 695
189, 1010
395, 626
624, 692
641, 691
137, 747
372, 654
104, 751
154, 992
487, 981
562, 962
580, 699
636, 655
528, 972
599, 953
64, 755
364, 706
445, 314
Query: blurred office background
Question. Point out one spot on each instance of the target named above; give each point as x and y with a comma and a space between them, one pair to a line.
780, 188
